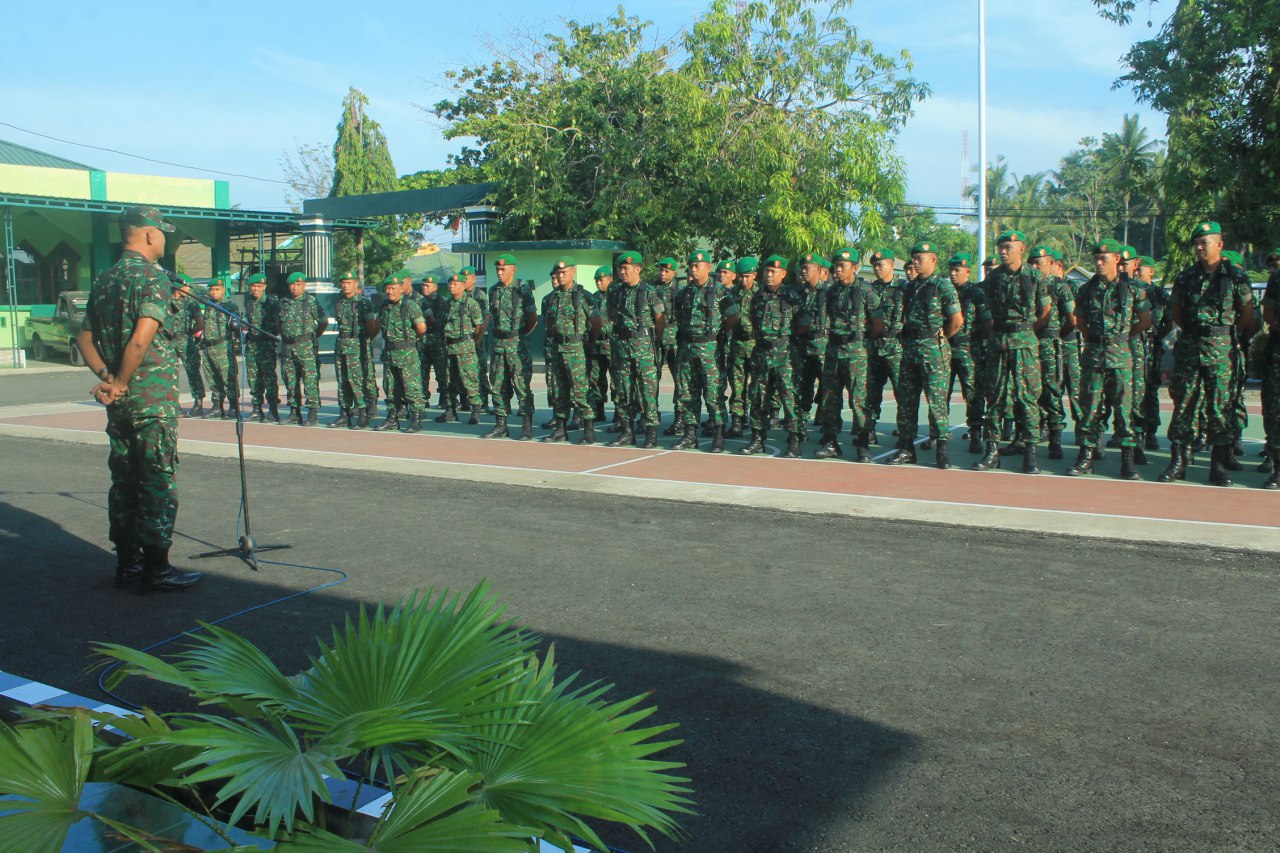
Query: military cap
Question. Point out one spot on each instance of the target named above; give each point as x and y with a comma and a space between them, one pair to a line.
1013, 235
295, 276
218, 281
1055, 254
348, 274
1235, 258
630, 258
667, 263
562, 262
405, 275
1148, 262
924, 247
1040, 252
960, 259
1273, 255
991, 261
747, 264
1206, 228
430, 279
697, 256
256, 278
459, 277
465, 271
817, 260
724, 265
144, 216
844, 253
1127, 252
506, 259
1107, 246
390, 279
881, 255
604, 272
776, 262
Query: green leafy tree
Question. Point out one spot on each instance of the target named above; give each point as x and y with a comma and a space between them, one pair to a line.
910, 225
1128, 158
362, 165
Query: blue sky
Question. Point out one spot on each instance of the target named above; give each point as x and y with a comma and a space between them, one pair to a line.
232, 85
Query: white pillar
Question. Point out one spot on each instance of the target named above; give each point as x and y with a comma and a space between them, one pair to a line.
317, 249
479, 218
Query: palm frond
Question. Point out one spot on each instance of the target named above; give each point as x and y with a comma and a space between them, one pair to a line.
46, 763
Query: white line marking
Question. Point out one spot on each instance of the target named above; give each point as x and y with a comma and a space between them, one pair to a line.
917, 442
33, 693
627, 461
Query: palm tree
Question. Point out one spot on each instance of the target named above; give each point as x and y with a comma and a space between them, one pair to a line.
1127, 160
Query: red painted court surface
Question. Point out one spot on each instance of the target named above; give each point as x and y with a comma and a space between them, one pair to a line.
459, 444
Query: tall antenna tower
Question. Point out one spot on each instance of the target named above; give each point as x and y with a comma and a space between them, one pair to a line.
964, 167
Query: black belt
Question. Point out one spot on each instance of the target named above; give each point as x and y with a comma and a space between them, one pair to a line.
960, 339
840, 340
504, 336
632, 334
567, 339
701, 339
456, 341
1118, 340
301, 339
213, 342
917, 335
1044, 333
772, 343
401, 345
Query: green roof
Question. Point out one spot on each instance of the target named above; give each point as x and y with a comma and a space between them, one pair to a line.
20, 155
432, 200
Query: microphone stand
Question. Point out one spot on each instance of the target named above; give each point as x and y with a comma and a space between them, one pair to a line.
246, 548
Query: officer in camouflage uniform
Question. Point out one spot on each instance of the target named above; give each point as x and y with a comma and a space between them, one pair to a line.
726, 280
742, 343
514, 315
1211, 302
464, 328
1110, 309
1239, 377
261, 357
219, 354
1147, 413
776, 316
396, 405
702, 311
569, 319
853, 315
1053, 416
1271, 374
125, 338
357, 325
302, 322
188, 326
601, 364
884, 354
637, 315
1072, 343
1129, 262
931, 315
433, 355
402, 324
484, 347
1019, 301
808, 350
967, 344
669, 352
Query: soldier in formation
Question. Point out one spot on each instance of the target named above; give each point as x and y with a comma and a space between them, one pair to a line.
188, 328
514, 315
638, 318
260, 310
357, 323
218, 354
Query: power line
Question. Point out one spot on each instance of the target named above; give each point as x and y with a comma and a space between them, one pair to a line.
148, 159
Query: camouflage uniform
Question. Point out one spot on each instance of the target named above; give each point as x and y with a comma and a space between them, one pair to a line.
399, 321
1071, 347
700, 311
1052, 356
461, 319
742, 345
187, 345
218, 357
669, 350
434, 359
1013, 299
849, 310
300, 317
602, 362
142, 426
635, 311
774, 317
483, 350
261, 359
1271, 380
1110, 310
926, 358
967, 353
884, 354
809, 350
1147, 415
567, 316
511, 368
1210, 305
350, 351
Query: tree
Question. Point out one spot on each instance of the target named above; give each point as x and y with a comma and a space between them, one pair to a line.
309, 173
1127, 158
910, 225
361, 165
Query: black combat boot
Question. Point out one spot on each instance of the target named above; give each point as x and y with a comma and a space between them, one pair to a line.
526, 428
626, 436
558, 434
313, 416
257, 415
1083, 464
735, 427
343, 420
1229, 460
1013, 448
828, 446
904, 456
1099, 453
449, 416
677, 425
588, 431
717, 439
475, 415
575, 422
295, 416
442, 403
371, 409
1218, 466
755, 445
197, 409
650, 438
158, 575
690, 439
128, 565
499, 428
1237, 448
415, 421
1273, 482
975, 442
942, 456
1139, 455
274, 409
708, 427
362, 420
793, 447
1152, 443
1198, 444
220, 412
1267, 466
872, 437
1177, 469
391, 423
1029, 464
1127, 471
1055, 443
1006, 431
927, 444
861, 450
1113, 442
990, 458
550, 423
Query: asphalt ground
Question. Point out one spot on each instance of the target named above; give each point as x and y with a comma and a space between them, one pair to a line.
841, 683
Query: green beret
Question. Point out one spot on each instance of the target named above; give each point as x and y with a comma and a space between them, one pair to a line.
604, 272
1274, 255
459, 277
776, 262
817, 260
1206, 228
630, 258
747, 264
349, 274
1235, 257
845, 254
1013, 235
391, 279
1148, 261
667, 263
256, 278
564, 262
991, 261
217, 281
430, 280
506, 259
1127, 252
295, 276
699, 255
724, 265
467, 271
1040, 252
924, 247
960, 259
881, 255
1055, 254
1107, 246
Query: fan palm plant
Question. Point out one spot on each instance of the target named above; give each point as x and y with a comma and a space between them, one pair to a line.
438, 699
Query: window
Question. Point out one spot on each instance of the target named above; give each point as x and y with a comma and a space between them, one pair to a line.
60, 272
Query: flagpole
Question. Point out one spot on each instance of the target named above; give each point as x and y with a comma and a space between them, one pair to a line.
982, 130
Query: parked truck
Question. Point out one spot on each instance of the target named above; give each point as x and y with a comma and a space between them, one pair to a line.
57, 334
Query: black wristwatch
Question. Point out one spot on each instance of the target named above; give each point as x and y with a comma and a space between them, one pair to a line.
103, 373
